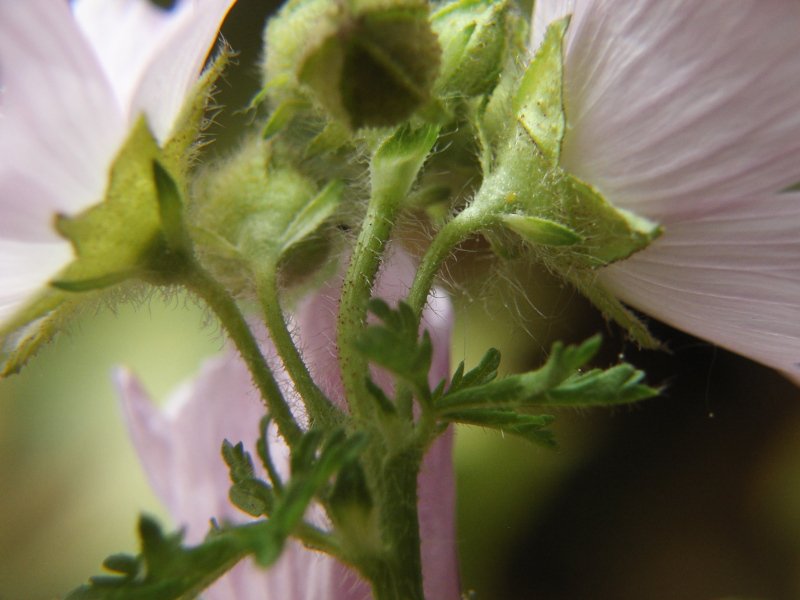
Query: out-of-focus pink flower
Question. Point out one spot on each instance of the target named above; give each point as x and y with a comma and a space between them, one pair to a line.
180, 450
73, 80
689, 113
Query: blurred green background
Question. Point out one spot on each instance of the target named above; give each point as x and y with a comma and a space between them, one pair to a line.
694, 495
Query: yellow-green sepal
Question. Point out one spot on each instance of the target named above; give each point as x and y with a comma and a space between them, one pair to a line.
538, 103
117, 238
473, 36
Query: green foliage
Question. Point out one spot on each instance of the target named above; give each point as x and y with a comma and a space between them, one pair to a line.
248, 492
397, 346
480, 398
533, 428
167, 570
559, 382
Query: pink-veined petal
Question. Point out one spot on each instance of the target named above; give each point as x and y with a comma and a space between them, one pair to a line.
154, 65
677, 108
732, 277
59, 124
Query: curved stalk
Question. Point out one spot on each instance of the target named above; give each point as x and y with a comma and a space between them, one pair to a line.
320, 409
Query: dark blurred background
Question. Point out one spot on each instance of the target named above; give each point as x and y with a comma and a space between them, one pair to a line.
694, 495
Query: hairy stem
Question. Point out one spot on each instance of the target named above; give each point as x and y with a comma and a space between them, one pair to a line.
226, 309
320, 409
356, 293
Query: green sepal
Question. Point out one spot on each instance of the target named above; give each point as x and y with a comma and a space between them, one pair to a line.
282, 116
180, 148
311, 216
115, 240
533, 428
587, 284
541, 231
119, 237
171, 211
398, 159
538, 103
472, 34
33, 327
610, 233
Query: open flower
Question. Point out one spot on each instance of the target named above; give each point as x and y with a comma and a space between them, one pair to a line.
180, 450
73, 80
687, 113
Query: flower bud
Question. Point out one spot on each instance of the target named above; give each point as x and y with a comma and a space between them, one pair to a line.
366, 62
474, 36
249, 214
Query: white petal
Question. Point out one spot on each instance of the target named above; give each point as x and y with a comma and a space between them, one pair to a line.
732, 278
25, 268
544, 13
59, 125
155, 63
677, 107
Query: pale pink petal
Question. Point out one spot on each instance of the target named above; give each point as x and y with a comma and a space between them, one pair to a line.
150, 432
732, 277
155, 63
316, 330
544, 13
59, 124
437, 485
126, 36
180, 450
23, 268
677, 108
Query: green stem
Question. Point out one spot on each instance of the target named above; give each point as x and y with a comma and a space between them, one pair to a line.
398, 575
226, 309
320, 410
356, 292
449, 236
316, 539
